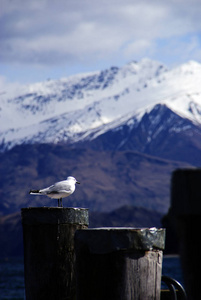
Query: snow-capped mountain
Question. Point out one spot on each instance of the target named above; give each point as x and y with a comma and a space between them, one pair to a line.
144, 120
84, 106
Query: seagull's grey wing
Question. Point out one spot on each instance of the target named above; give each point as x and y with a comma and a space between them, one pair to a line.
59, 187
48, 190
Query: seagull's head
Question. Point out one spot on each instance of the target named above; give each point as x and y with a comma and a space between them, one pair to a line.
72, 179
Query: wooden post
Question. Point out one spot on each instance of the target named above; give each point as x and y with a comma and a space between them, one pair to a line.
185, 214
49, 256
119, 263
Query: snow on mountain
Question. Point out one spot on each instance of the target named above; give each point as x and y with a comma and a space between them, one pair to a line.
72, 108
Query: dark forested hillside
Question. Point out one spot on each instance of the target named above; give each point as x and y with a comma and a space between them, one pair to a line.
108, 179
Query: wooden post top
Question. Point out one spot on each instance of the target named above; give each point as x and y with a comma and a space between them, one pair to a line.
106, 240
55, 215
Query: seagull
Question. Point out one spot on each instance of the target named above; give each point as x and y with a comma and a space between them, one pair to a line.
58, 190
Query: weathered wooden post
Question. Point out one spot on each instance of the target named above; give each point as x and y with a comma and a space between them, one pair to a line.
119, 263
49, 256
185, 214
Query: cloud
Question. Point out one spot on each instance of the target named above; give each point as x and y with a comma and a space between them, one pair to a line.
9, 89
139, 48
51, 32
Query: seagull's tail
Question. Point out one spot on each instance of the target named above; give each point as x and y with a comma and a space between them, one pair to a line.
34, 192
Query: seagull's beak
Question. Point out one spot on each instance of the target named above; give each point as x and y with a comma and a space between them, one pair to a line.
78, 182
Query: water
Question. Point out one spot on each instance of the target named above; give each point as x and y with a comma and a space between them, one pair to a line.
12, 279
12, 276
172, 268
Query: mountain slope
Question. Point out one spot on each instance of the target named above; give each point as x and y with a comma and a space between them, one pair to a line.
141, 119
69, 110
108, 179
51, 98
160, 132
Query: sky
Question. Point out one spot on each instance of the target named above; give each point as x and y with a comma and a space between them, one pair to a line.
51, 39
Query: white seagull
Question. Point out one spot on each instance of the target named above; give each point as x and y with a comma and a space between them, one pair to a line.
58, 190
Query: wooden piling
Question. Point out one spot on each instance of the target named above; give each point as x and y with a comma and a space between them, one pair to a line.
49, 256
185, 215
119, 263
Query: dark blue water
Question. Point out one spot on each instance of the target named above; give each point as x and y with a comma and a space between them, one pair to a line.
12, 279
12, 276
172, 268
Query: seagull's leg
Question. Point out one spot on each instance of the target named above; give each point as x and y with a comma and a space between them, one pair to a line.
60, 202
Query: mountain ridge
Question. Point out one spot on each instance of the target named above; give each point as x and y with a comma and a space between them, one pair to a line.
160, 133
69, 109
136, 116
